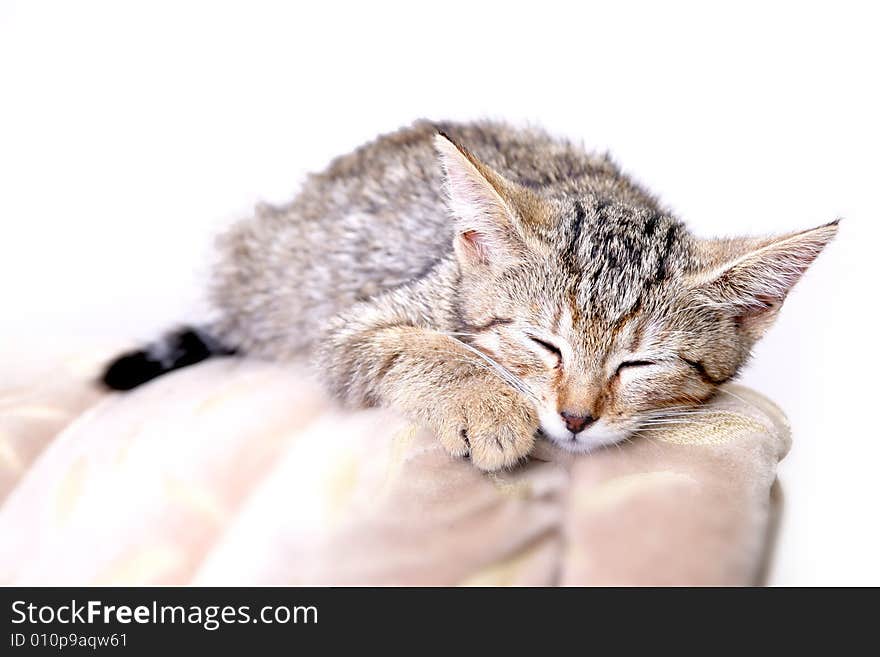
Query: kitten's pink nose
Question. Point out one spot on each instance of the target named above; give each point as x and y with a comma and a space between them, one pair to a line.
577, 423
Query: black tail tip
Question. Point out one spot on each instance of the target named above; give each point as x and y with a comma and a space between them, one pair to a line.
178, 349
131, 370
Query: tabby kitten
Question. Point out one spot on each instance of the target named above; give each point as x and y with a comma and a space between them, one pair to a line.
490, 283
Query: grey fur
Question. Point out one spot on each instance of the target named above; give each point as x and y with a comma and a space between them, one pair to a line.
376, 220
395, 296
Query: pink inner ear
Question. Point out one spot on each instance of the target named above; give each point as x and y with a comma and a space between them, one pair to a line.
754, 319
476, 243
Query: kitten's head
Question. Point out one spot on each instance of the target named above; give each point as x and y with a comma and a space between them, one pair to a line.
609, 315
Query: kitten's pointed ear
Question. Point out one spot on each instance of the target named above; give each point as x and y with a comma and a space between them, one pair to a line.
752, 277
481, 200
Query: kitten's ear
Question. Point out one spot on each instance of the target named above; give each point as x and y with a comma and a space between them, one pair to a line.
482, 202
752, 277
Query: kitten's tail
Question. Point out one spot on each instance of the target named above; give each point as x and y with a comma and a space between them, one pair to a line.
176, 349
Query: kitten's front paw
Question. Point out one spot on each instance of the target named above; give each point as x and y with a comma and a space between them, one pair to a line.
496, 426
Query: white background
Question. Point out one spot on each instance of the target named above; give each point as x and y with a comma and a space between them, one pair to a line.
129, 132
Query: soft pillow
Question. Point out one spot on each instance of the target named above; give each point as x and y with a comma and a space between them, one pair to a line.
242, 472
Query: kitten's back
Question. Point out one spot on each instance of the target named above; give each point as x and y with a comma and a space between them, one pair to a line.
375, 220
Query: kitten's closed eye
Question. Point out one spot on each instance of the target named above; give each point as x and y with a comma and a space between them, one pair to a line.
548, 346
634, 363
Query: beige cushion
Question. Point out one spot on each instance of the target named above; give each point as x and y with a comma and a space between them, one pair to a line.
242, 472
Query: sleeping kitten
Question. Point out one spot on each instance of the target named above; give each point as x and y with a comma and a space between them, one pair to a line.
490, 282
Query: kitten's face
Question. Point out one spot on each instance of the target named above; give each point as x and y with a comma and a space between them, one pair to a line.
600, 327
609, 316
597, 377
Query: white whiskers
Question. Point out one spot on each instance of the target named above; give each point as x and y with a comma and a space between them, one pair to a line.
505, 374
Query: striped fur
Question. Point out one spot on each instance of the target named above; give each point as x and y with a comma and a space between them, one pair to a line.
490, 282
